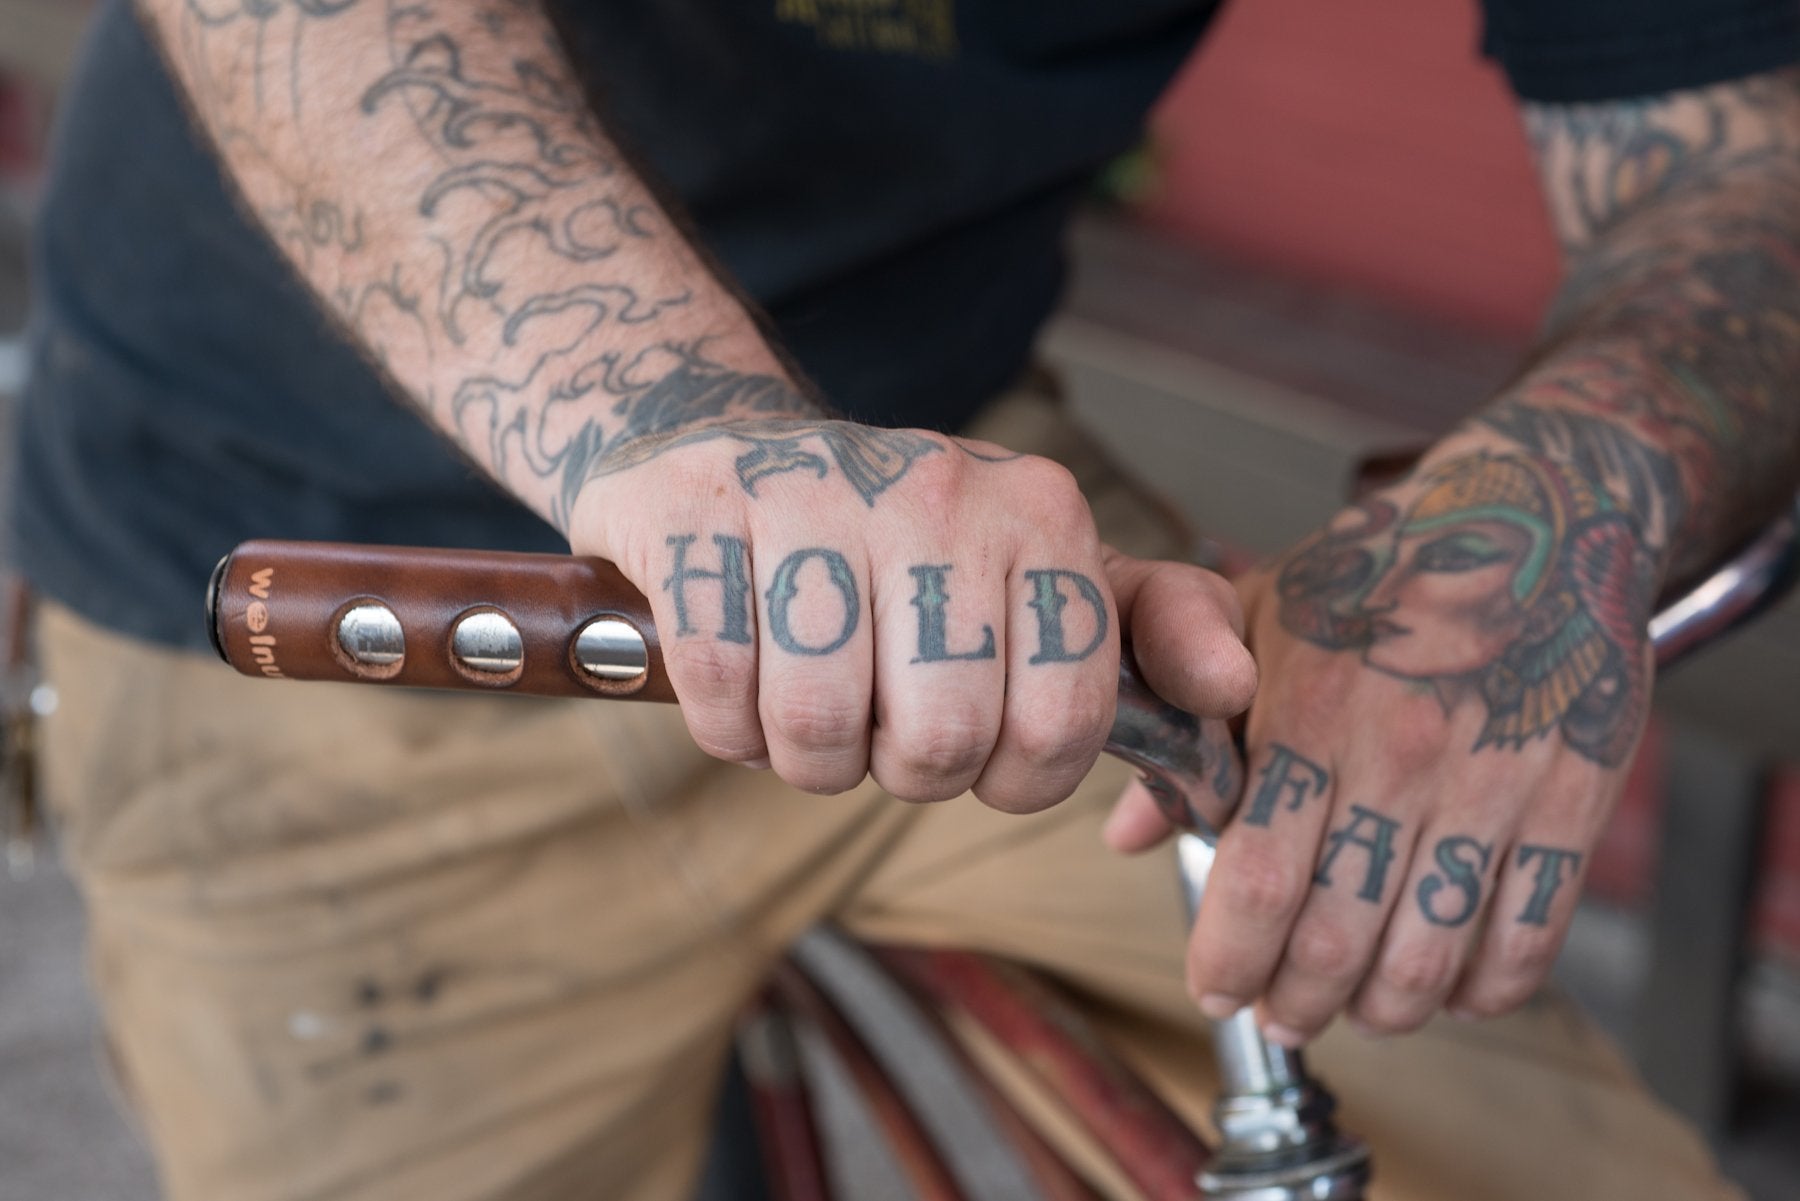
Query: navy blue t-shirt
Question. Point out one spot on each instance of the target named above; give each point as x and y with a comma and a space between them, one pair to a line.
896, 204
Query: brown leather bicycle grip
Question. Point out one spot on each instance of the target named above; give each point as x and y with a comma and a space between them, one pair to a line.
428, 618
521, 623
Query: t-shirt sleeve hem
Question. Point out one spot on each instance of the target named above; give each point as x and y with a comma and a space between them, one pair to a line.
1649, 62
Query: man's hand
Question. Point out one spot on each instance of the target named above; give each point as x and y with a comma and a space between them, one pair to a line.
1456, 674
839, 600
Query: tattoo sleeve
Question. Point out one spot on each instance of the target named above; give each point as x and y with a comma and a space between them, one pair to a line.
434, 173
1655, 427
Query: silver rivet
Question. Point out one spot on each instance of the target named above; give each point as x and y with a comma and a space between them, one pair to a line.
610, 649
487, 642
371, 635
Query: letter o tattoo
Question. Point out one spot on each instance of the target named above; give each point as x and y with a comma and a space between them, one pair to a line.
785, 586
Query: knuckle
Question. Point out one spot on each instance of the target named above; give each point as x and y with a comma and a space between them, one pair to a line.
1319, 949
1261, 885
1419, 971
1020, 797
1056, 498
814, 719
717, 694
1390, 1015
1063, 726
1416, 737
1494, 1000
952, 745
1526, 956
1069, 744
822, 779
936, 480
715, 677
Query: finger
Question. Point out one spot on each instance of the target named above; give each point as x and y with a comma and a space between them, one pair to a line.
1186, 627
940, 673
1540, 879
1259, 878
816, 665
1062, 675
1136, 823
1431, 933
706, 613
1367, 847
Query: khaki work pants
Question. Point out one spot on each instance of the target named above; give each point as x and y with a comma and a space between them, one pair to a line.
358, 944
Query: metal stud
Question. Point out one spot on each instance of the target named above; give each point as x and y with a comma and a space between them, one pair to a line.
487, 642
612, 650
370, 635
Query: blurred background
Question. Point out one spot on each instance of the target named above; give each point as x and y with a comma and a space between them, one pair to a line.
1330, 245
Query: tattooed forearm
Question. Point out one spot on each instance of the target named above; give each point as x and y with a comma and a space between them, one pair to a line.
1601, 161
434, 172
1656, 427
1679, 323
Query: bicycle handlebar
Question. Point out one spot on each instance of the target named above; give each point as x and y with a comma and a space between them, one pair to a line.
559, 625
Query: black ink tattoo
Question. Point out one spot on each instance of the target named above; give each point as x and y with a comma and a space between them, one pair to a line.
1462, 863
1048, 602
1555, 864
1653, 432
734, 586
1379, 845
785, 586
1287, 772
930, 599
870, 459
526, 291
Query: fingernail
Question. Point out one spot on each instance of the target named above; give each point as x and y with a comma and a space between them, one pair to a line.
1218, 1006
1281, 1036
1464, 1015
1363, 1028
757, 764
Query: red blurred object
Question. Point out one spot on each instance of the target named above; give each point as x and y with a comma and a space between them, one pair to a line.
1149, 1143
20, 122
1360, 145
1626, 855
1776, 917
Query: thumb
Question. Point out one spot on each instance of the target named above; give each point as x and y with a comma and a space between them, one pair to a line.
1186, 629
